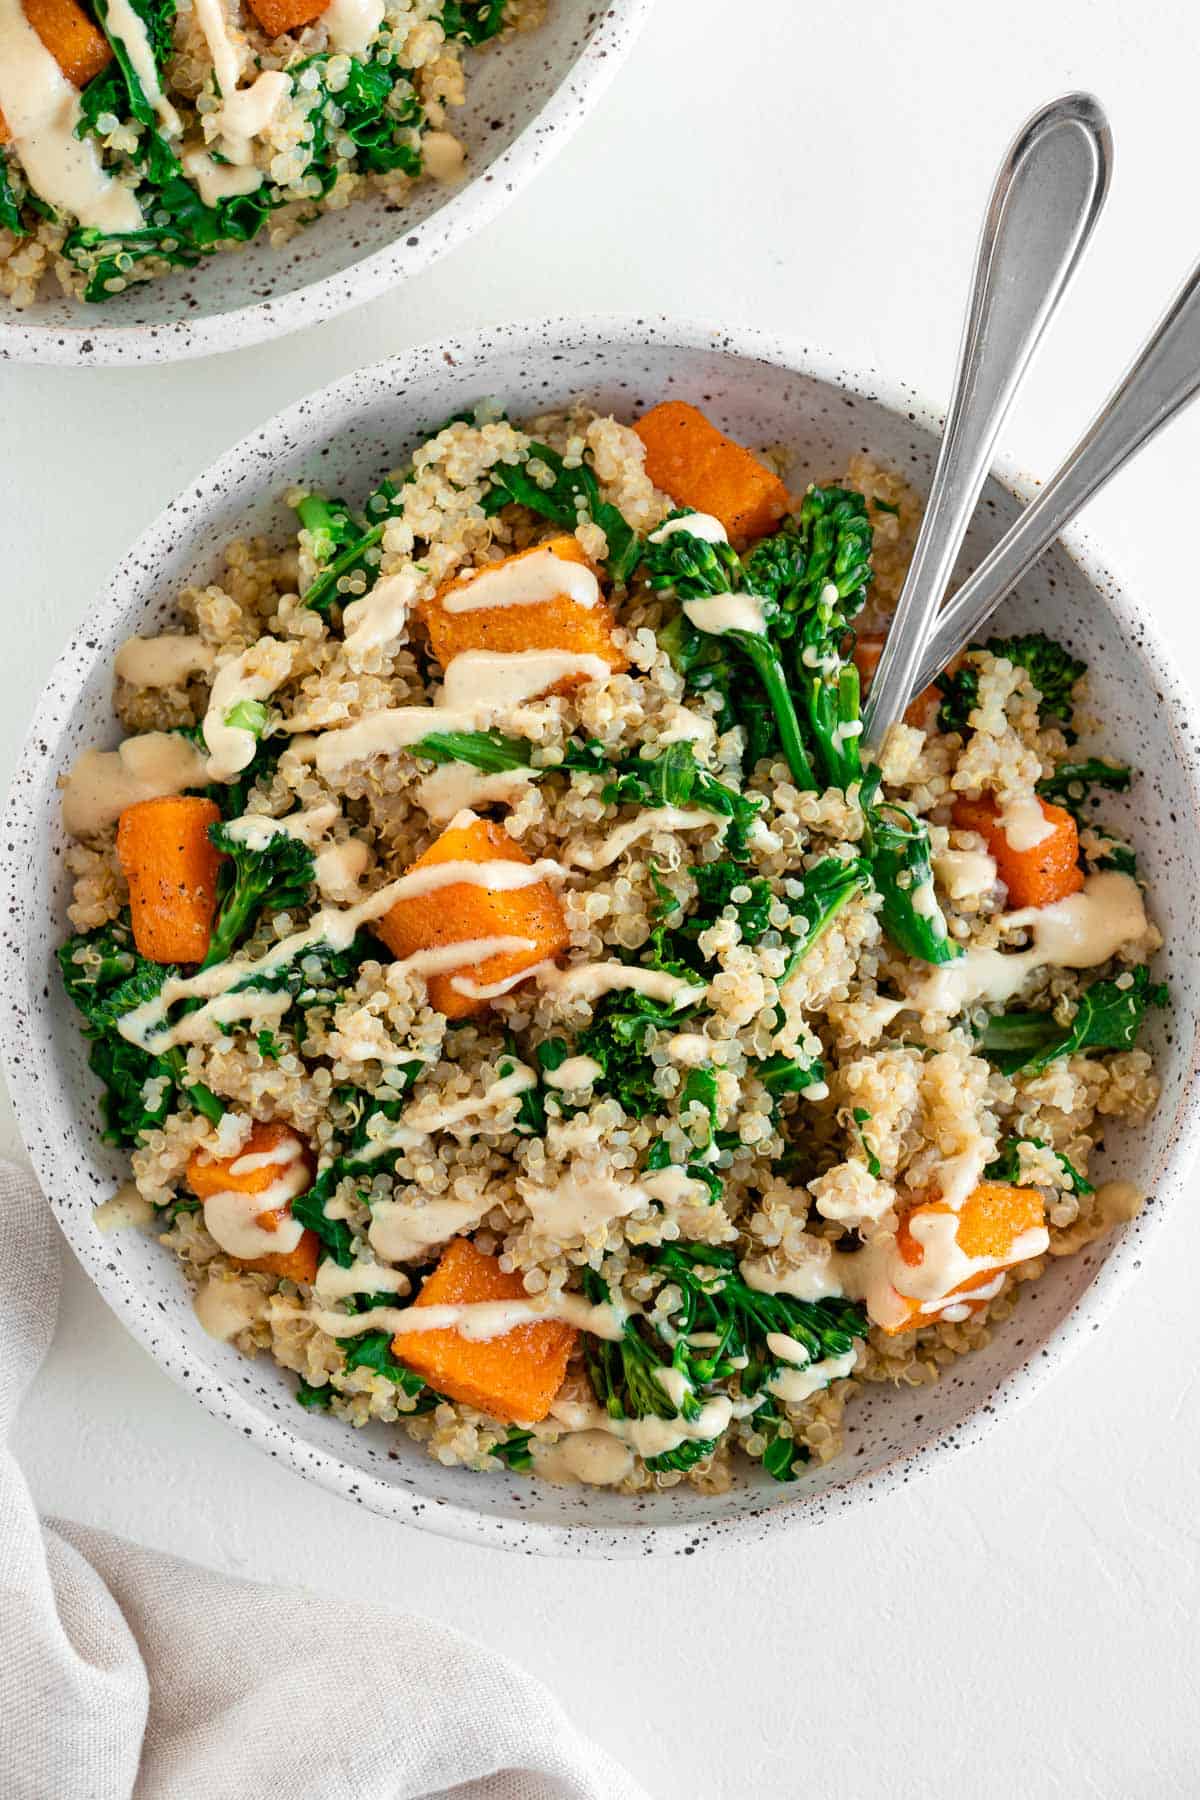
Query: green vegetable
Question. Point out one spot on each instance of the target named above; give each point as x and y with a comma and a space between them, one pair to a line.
275, 878
348, 542
1071, 783
269, 1045
472, 22
385, 131
693, 569
716, 885
1108, 1017
863, 1117
1007, 1166
902, 868
828, 886
373, 1350
515, 1452
571, 496
489, 751
1121, 857
617, 1040
105, 978
357, 1158
313, 1399
10, 206
183, 231
675, 778
782, 1075
1052, 670
118, 90
625, 1380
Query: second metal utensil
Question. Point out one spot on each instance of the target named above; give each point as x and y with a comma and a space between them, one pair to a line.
1044, 205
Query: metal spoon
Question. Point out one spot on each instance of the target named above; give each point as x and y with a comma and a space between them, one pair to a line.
1162, 381
1044, 205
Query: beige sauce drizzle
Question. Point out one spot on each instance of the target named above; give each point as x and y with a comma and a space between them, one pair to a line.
494, 681
719, 613
453, 786
163, 662
479, 1321
404, 1232
526, 581
125, 1209
381, 616
592, 1457
698, 525
245, 112
654, 819
335, 1283
580, 1203
123, 23
232, 1218
352, 24
41, 109
253, 675
219, 181
225, 1307
104, 782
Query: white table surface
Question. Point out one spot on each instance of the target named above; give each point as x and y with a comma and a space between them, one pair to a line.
1024, 1620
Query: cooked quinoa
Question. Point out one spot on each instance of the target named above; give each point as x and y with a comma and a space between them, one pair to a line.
737, 1182
139, 136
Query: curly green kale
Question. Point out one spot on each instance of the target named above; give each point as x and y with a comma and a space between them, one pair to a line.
1071, 783
343, 545
571, 495
472, 22
1109, 1016
1007, 1166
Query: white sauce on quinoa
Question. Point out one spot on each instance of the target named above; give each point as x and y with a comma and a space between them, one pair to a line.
795, 1385
163, 662
381, 616
590, 1457
405, 1232
244, 113
964, 873
575, 1072
226, 1307
122, 22
653, 819
587, 981
351, 25
698, 525
581, 1202
498, 875
41, 109
531, 580
479, 1321
335, 1283
453, 786
147, 767
1079, 932
650, 1436
125, 1210
251, 676
219, 181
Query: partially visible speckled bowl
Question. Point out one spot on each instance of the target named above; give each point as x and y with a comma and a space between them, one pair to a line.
524, 99
345, 436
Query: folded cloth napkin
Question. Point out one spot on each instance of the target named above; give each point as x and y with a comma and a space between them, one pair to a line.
125, 1672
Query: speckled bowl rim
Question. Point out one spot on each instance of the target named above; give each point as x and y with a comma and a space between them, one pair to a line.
447, 1518
475, 205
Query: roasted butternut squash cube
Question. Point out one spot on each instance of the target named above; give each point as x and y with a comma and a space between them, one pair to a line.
698, 466
77, 45
270, 1149
462, 911
278, 16
545, 598
999, 1224
171, 866
1036, 874
514, 1377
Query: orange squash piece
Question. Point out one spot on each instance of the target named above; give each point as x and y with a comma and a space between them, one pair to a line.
278, 16
1036, 877
921, 711
558, 624
698, 466
171, 866
514, 1377
459, 912
75, 42
216, 1175
994, 1216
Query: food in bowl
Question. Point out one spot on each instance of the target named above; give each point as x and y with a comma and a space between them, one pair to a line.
533, 1020
140, 136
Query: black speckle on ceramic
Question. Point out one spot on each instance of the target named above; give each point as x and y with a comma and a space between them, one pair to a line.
525, 98
763, 392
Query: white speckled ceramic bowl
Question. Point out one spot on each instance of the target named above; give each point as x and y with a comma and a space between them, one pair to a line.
525, 98
344, 437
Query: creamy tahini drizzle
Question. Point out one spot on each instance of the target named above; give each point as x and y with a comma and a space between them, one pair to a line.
245, 112
351, 25
587, 981
122, 22
1079, 932
698, 525
41, 109
653, 819
148, 767
232, 1218
380, 616
253, 675
219, 181
1023, 822
163, 662
453, 786
338, 864
719, 613
480, 1320
525, 581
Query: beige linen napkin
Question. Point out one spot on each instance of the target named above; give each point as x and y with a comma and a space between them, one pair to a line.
126, 1672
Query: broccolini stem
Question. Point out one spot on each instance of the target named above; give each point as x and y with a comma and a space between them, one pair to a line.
770, 670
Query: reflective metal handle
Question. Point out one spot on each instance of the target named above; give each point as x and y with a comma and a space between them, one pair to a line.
1045, 202
1165, 377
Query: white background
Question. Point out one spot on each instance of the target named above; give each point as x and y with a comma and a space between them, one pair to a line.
1024, 1620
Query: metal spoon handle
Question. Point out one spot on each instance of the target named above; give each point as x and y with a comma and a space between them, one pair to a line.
1165, 377
1046, 199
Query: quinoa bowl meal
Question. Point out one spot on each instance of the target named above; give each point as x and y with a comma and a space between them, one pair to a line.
179, 176
569, 1091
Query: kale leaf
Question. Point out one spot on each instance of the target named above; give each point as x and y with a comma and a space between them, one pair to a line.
1108, 1017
